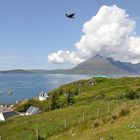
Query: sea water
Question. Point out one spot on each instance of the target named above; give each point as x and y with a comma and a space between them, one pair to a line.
24, 86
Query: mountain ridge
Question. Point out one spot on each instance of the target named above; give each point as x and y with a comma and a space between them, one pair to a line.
100, 65
95, 65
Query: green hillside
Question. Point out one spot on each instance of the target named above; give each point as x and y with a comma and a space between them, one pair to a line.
92, 109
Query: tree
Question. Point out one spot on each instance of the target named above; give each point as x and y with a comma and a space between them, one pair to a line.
69, 98
54, 100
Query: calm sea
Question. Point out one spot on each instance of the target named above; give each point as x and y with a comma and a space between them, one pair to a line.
30, 85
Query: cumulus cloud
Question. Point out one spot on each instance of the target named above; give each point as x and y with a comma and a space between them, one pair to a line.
64, 57
110, 33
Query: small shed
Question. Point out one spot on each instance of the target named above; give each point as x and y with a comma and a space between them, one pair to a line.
33, 110
43, 96
6, 115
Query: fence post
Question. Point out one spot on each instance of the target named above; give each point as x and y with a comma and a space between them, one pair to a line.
131, 103
37, 134
83, 116
97, 113
65, 122
118, 108
108, 110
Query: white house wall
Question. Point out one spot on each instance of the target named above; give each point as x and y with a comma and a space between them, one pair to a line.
2, 117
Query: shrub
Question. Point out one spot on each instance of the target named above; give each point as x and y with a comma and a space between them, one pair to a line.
132, 94
46, 106
76, 91
96, 123
69, 98
62, 102
124, 111
114, 116
54, 100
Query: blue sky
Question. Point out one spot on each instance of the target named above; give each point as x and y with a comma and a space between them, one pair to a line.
31, 29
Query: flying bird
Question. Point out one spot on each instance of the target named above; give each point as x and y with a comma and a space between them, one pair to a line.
70, 15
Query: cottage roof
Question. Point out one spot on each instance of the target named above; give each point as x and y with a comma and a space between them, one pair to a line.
32, 110
7, 115
43, 94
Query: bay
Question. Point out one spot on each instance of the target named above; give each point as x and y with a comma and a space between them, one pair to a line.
24, 86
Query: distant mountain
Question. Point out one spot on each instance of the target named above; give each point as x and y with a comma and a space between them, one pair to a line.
33, 71
95, 65
15, 71
101, 65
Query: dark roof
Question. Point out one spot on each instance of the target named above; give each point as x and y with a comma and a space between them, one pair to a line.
9, 114
32, 110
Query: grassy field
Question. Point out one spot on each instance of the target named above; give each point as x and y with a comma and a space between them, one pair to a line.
121, 129
109, 110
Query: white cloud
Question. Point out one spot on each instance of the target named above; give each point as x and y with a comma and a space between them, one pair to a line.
110, 33
64, 57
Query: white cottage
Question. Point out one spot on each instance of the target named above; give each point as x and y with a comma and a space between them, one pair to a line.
43, 96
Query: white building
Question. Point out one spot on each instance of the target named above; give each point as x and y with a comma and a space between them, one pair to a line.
43, 96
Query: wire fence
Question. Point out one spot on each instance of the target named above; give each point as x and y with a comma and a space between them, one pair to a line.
98, 116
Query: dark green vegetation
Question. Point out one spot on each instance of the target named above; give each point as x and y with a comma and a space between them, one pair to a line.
84, 110
95, 65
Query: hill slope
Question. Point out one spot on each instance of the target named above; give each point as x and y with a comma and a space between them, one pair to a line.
115, 100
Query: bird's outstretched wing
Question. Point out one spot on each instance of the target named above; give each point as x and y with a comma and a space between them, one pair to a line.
70, 15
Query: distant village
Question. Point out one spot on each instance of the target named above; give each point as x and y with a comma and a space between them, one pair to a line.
7, 112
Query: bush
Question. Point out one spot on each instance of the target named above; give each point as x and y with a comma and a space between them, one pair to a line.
124, 111
132, 95
96, 123
46, 106
62, 102
114, 116
22, 108
76, 91
54, 100
69, 98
